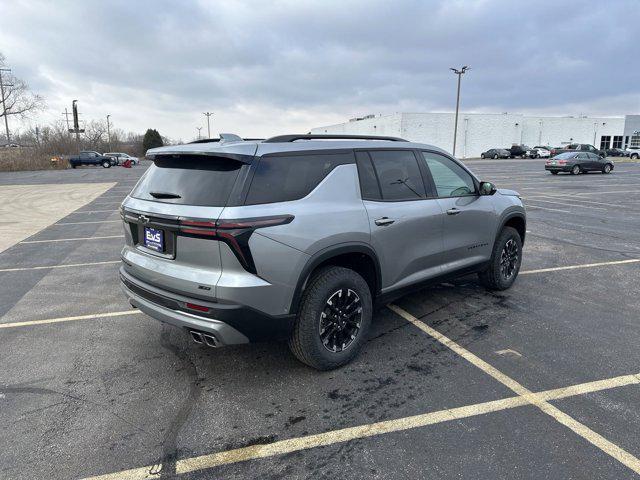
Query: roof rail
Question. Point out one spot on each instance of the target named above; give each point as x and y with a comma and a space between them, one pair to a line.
293, 138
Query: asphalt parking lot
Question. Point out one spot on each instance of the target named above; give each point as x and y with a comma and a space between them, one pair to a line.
540, 381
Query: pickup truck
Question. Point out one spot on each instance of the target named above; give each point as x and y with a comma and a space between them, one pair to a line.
582, 147
92, 158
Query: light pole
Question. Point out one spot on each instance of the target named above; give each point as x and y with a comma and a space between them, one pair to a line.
540, 134
459, 73
108, 134
595, 129
198, 128
208, 114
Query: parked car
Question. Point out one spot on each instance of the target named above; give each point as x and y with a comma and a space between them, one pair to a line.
299, 237
633, 152
540, 152
91, 158
122, 157
496, 153
519, 151
578, 162
579, 147
614, 152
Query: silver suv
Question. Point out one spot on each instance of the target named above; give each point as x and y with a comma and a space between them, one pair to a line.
299, 237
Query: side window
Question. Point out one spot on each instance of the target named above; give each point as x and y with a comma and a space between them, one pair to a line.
451, 179
369, 186
281, 178
581, 156
398, 174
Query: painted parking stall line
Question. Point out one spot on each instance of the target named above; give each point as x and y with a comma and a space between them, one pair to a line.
621, 455
331, 437
71, 239
68, 265
578, 266
90, 222
46, 321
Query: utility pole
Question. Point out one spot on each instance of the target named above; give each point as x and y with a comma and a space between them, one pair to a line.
66, 118
208, 114
108, 134
198, 128
4, 108
455, 128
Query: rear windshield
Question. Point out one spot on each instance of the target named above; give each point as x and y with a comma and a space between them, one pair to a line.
204, 181
567, 155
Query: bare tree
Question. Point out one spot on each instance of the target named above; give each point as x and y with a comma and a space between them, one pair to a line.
18, 99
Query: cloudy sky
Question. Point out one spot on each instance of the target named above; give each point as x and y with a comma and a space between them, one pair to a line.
286, 66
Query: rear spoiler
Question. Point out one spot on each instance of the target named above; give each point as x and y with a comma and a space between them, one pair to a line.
237, 150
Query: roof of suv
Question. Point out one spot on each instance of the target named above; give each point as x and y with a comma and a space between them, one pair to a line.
287, 143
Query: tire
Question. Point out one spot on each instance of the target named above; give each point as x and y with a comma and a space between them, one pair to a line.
554, 172
495, 157
635, 156
576, 170
73, 166
482, 156
106, 164
607, 168
494, 277
306, 342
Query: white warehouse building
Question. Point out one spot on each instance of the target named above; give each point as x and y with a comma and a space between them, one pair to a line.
478, 132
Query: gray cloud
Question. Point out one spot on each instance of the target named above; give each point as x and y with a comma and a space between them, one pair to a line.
270, 67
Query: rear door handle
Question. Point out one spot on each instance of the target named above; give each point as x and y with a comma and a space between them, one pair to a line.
453, 211
384, 221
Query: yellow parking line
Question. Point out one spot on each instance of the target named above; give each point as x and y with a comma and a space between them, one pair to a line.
72, 239
69, 319
95, 211
583, 265
68, 265
295, 444
580, 429
93, 221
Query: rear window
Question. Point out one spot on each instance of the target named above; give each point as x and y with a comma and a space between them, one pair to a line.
566, 155
204, 181
282, 178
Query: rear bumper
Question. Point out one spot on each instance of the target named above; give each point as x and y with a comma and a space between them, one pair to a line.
231, 324
558, 168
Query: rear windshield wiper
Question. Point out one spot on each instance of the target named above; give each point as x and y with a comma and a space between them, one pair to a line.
164, 195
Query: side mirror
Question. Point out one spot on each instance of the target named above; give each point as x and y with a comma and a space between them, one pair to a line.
487, 188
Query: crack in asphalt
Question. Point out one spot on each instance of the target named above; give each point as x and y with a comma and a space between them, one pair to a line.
170, 442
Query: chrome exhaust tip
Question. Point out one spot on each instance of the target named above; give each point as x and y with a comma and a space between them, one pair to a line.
210, 340
196, 336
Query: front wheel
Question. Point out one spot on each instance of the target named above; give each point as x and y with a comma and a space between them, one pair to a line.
606, 168
575, 170
495, 157
333, 320
505, 262
106, 164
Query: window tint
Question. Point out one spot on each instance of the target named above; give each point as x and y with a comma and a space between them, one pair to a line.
189, 181
369, 187
398, 174
451, 179
290, 177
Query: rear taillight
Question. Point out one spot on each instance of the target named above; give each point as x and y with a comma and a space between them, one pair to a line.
562, 162
235, 233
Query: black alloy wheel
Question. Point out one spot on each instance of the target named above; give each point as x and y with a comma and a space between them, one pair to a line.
509, 259
340, 320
